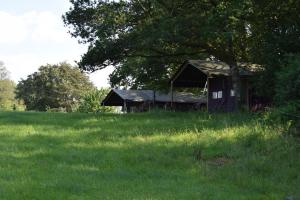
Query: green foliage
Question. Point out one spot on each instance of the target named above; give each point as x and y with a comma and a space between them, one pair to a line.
90, 102
287, 115
18, 105
7, 92
53, 86
60, 109
161, 155
4, 73
7, 95
147, 40
288, 81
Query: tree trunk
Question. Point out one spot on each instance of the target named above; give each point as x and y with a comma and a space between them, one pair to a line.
236, 84
235, 75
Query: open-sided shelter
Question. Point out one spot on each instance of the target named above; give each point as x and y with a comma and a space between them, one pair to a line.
216, 77
143, 100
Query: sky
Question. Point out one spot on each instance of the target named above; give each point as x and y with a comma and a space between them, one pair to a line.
32, 34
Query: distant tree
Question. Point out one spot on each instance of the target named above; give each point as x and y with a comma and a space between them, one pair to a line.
90, 102
53, 86
7, 94
4, 73
7, 91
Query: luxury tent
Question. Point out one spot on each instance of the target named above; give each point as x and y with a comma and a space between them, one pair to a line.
216, 77
143, 100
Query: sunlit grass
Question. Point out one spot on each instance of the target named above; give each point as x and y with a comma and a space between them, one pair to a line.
145, 156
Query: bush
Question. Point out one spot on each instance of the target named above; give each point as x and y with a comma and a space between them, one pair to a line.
288, 81
7, 95
60, 109
288, 115
91, 102
18, 105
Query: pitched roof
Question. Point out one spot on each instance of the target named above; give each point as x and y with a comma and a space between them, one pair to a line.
221, 68
135, 95
149, 95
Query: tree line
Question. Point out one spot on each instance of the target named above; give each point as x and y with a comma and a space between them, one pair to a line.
53, 88
147, 40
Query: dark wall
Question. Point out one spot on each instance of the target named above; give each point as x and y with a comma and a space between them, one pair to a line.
216, 84
190, 77
113, 100
227, 102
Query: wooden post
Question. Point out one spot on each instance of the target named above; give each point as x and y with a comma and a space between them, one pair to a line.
149, 106
154, 98
125, 106
247, 94
207, 92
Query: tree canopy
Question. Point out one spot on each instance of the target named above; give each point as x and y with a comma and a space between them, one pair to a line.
7, 91
91, 102
53, 86
7, 94
146, 40
4, 73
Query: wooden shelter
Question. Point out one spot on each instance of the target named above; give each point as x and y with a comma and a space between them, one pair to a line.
144, 100
216, 77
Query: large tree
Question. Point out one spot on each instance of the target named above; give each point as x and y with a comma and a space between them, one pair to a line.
275, 33
147, 39
53, 86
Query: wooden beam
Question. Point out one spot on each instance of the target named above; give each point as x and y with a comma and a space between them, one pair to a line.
207, 94
247, 94
179, 72
125, 106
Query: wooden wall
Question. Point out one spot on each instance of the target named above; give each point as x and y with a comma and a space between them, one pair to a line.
227, 102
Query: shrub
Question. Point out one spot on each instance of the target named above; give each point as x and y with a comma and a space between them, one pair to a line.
60, 109
91, 102
288, 115
288, 81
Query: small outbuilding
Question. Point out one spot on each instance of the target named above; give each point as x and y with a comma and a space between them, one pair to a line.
144, 100
216, 77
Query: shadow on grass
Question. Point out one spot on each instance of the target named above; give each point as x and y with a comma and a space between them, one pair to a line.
131, 157
157, 170
130, 123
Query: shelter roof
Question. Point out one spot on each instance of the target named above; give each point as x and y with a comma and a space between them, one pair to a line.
157, 96
221, 68
134, 95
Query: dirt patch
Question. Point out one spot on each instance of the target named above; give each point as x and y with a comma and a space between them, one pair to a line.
219, 161
216, 161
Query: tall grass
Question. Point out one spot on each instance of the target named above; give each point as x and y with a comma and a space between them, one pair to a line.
145, 156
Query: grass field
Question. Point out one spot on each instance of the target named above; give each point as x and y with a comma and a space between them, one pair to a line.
145, 156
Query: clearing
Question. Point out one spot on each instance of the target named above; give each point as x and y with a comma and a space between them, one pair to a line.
145, 156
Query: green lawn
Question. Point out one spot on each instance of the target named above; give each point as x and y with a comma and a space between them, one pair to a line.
145, 156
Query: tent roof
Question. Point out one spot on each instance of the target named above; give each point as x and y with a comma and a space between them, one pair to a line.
134, 95
148, 95
193, 73
221, 68
179, 97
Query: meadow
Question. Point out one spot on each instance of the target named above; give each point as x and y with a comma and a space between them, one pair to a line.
159, 155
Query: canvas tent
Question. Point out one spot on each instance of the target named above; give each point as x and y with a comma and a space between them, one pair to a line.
216, 76
142, 100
